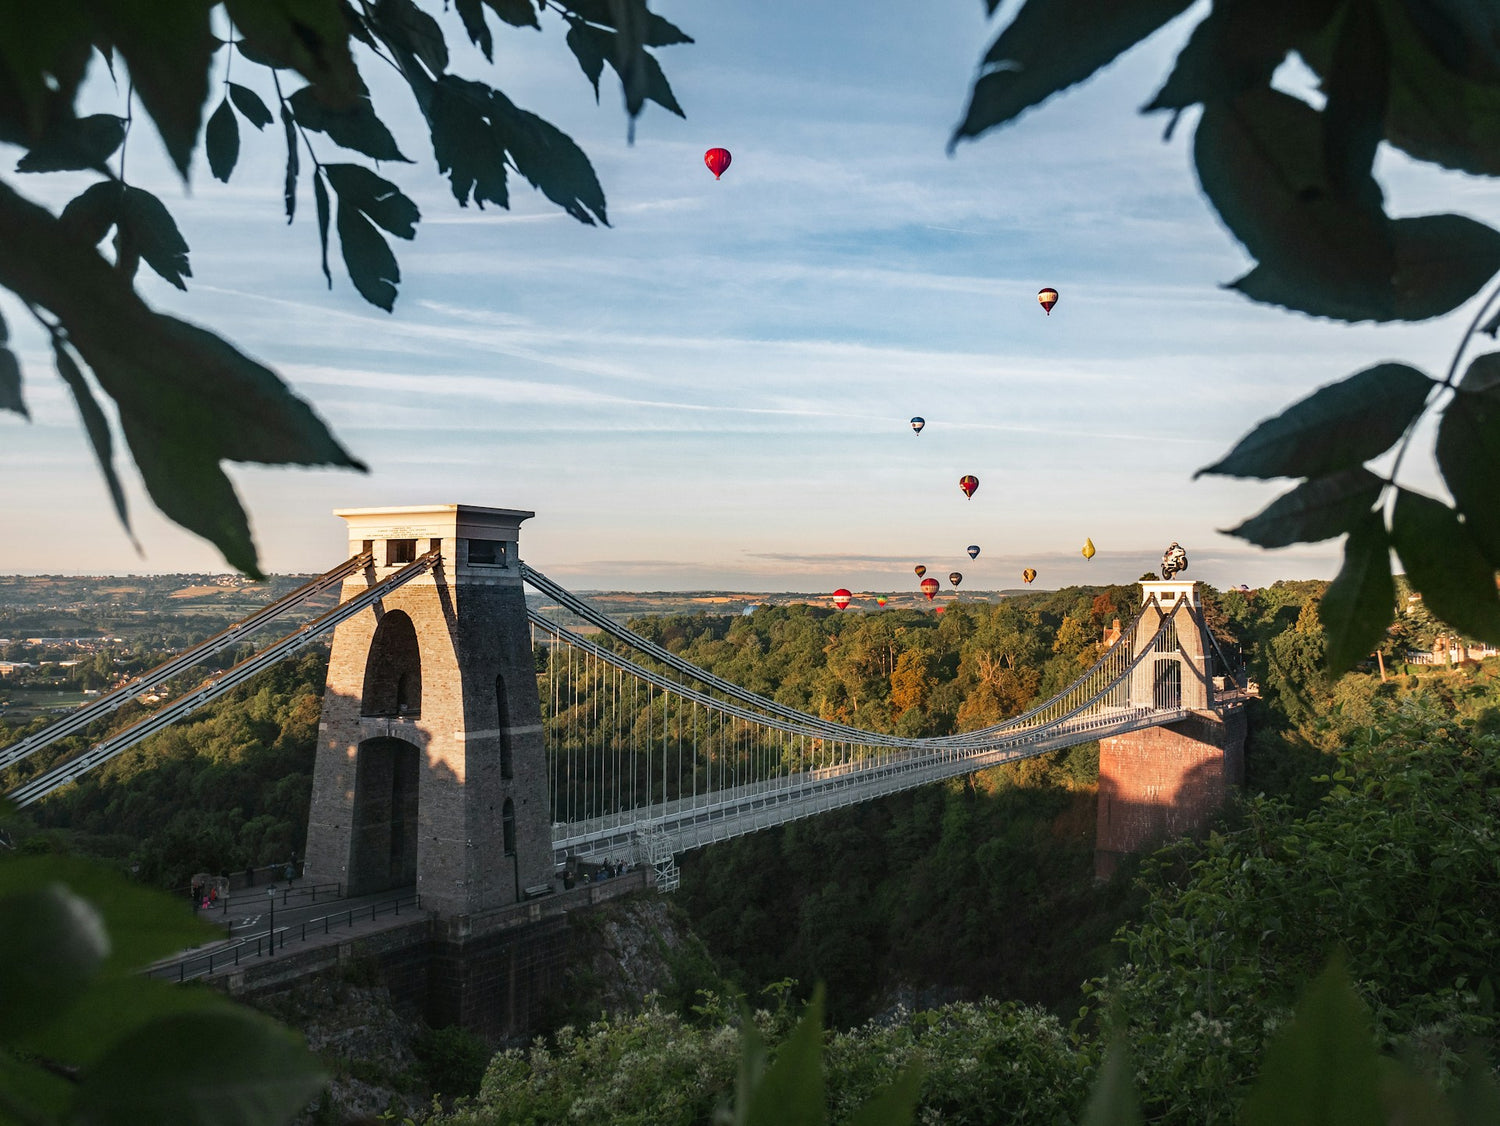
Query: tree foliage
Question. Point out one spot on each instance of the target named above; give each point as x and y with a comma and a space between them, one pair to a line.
1294, 183
188, 400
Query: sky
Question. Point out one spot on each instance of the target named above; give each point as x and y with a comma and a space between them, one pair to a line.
714, 391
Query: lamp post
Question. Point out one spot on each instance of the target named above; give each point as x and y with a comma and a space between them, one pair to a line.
271, 893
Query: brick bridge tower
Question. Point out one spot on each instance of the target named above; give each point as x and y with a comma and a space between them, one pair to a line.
431, 768
1165, 781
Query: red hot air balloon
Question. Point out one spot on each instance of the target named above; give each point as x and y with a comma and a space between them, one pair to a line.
1047, 298
930, 587
841, 598
717, 161
920, 570
955, 578
968, 483
881, 600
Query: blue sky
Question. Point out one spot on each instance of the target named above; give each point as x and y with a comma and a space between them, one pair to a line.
714, 392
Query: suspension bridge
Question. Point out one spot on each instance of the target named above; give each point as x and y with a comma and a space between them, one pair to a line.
475, 745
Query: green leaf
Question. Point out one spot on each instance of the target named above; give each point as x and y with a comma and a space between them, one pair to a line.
896, 1105
1359, 603
248, 102
169, 47
1336, 427
320, 197
1446, 565
201, 1069
1357, 87
406, 26
378, 198
90, 214
1441, 262
1236, 47
222, 141
1315, 510
1435, 114
51, 946
95, 425
75, 143
1049, 47
143, 924
1322, 1069
1468, 451
154, 235
1113, 1101
1476, 1101
1260, 162
355, 127
10, 376
790, 1092
289, 192
308, 36
38, 1094
371, 265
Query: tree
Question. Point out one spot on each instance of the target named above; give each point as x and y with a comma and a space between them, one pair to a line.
1294, 183
187, 399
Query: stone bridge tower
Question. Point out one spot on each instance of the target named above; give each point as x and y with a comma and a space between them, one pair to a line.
431, 767
1164, 781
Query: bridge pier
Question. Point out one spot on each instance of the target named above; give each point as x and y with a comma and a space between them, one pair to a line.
1165, 781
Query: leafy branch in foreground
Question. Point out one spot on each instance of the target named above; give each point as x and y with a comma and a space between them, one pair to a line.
186, 399
1294, 184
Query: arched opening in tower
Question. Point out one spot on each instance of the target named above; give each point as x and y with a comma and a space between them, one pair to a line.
393, 670
386, 780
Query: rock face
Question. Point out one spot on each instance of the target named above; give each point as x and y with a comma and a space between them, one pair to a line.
622, 952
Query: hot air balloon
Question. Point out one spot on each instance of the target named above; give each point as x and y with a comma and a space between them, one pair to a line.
930, 587
1029, 574
1088, 549
955, 577
940, 609
973, 551
968, 483
917, 423
920, 570
1046, 298
717, 161
841, 598
880, 600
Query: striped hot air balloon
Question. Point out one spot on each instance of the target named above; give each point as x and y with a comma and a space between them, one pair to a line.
917, 423
1047, 298
920, 570
956, 577
973, 550
841, 598
930, 588
880, 600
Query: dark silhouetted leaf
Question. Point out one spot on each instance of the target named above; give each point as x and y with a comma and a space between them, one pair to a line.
289, 192
168, 46
320, 197
229, 1068
408, 27
1468, 451
1434, 113
355, 127
657, 33
90, 214
590, 46
95, 425
45, 62
1444, 562
308, 36
1260, 161
221, 140
378, 198
629, 54
10, 376
517, 13
372, 267
1315, 510
51, 946
478, 29
1441, 262
1236, 47
1113, 1101
549, 160
248, 102
1492, 326
1463, 34
1322, 1069
1337, 427
468, 148
1359, 603
594, 46
75, 143
1049, 47
155, 235
1357, 86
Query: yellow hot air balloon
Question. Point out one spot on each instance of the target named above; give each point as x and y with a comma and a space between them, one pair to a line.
1088, 549
1029, 574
